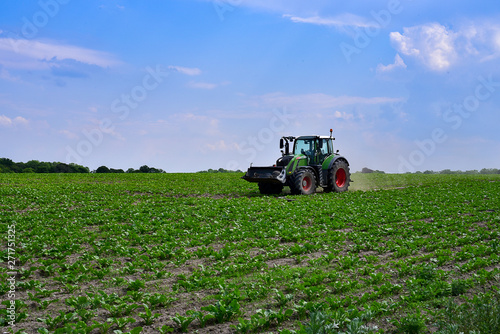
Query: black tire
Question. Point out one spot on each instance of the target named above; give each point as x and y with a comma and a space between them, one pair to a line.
303, 182
266, 188
340, 177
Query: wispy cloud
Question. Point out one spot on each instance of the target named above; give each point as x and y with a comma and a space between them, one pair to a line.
221, 145
68, 134
439, 48
30, 54
191, 71
341, 21
202, 85
8, 122
398, 63
317, 101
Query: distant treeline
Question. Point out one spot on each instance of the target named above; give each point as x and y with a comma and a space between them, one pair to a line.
35, 166
471, 172
142, 169
220, 170
444, 171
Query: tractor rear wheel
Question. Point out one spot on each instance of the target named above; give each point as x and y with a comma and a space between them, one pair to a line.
266, 188
340, 177
303, 182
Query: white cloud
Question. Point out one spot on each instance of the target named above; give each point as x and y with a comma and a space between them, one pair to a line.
221, 145
398, 63
432, 44
317, 101
5, 121
30, 54
68, 134
439, 48
202, 85
345, 20
8, 122
342, 115
191, 71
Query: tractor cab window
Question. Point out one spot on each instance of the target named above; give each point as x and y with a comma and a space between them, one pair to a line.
324, 147
304, 146
328, 146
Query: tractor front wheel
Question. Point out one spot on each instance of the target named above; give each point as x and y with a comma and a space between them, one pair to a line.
303, 182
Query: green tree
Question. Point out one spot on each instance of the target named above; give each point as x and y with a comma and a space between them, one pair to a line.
102, 169
145, 169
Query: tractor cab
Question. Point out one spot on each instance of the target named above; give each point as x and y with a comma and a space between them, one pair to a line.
315, 148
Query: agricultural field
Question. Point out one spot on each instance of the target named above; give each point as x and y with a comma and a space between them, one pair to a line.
206, 253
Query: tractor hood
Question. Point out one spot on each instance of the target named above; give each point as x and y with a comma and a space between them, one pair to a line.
298, 160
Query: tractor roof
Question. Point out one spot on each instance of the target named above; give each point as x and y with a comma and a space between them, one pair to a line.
312, 137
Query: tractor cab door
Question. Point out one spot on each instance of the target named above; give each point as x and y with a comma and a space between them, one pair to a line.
324, 149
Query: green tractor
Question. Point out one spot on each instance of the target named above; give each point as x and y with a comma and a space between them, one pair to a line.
312, 163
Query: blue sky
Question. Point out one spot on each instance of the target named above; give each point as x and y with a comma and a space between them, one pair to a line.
187, 85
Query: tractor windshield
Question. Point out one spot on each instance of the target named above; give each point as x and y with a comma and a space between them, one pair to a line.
304, 146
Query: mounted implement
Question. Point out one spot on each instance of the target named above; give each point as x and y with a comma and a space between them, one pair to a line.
310, 164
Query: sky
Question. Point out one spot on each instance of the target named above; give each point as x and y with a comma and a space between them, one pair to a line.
188, 85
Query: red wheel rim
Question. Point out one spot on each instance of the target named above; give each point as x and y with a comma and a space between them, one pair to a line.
340, 178
306, 183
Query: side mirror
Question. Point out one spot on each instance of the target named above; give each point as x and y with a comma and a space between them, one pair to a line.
281, 143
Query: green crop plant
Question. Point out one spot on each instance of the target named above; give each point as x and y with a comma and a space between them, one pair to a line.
121, 323
222, 311
281, 298
78, 303
70, 288
79, 328
148, 316
411, 324
244, 326
44, 293
61, 320
202, 318
165, 329
158, 300
182, 321
319, 324
136, 330
136, 296
103, 327
120, 309
29, 285
85, 315
135, 285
